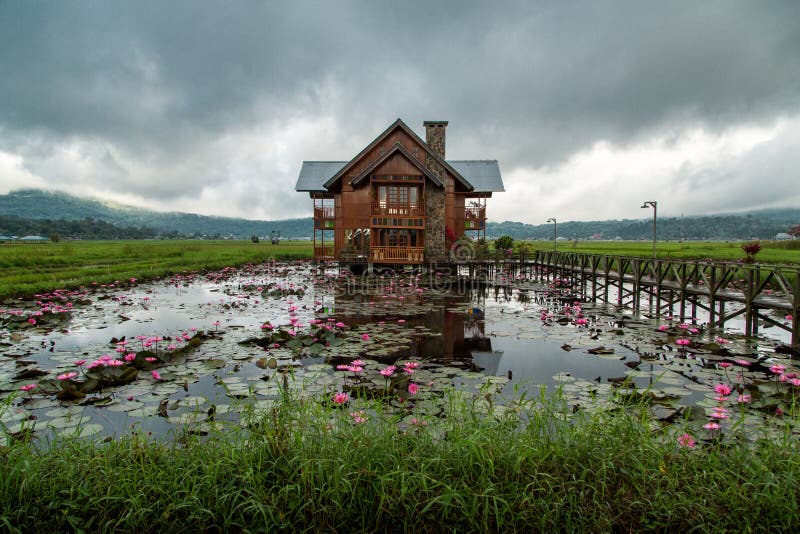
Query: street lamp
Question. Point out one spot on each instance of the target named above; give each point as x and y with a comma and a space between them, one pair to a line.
654, 205
555, 233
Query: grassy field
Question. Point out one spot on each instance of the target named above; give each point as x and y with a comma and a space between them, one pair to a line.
772, 251
308, 466
28, 269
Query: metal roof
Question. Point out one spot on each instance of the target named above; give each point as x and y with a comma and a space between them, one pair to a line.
483, 175
314, 174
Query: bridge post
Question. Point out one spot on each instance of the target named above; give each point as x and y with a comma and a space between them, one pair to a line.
712, 301
796, 311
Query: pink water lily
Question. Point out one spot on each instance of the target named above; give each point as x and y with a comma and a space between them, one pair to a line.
27, 387
67, 376
413, 388
341, 398
388, 371
723, 389
155, 375
683, 341
777, 368
359, 417
686, 440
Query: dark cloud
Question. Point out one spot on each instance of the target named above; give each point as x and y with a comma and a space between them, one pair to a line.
156, 99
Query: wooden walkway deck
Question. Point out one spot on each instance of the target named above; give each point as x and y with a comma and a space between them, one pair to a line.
760, 294
671, 287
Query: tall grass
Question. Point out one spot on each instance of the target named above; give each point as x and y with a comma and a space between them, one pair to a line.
305, 466
773, 252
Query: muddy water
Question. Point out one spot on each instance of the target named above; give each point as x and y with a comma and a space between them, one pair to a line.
520, 336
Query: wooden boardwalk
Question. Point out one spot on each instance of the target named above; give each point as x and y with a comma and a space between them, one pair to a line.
767, 293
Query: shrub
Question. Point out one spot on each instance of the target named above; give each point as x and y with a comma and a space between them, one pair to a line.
751, 249
504, 242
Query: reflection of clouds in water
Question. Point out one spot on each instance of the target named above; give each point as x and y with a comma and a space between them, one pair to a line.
495, 330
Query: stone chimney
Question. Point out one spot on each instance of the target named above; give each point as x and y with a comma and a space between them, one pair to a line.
434, 136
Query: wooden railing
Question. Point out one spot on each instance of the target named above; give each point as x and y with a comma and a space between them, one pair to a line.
324, 212
397, 254
324, 224
325, 252
475, 212
400, 209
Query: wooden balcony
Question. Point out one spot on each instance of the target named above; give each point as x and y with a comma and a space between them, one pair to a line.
475, 213
404, 255
413, 223
388, 209
324, 217
323, 253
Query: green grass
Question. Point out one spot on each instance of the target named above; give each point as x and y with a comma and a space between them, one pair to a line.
773, 252
29, 269
306, 467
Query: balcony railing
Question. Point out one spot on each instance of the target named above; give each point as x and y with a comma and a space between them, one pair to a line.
324, 212
323, 253
475, 213
406, 209
324, 224
397, 254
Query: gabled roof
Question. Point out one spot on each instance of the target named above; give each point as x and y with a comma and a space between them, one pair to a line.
478, 176
398, 124
484, 175
396, 148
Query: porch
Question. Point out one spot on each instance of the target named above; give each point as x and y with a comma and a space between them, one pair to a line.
405, 255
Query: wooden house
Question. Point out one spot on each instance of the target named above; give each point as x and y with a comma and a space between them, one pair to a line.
398, 201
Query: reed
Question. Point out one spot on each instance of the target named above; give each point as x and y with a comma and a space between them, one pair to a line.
307, 465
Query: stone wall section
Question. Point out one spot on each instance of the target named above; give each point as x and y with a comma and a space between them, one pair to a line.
435, 249
435, 212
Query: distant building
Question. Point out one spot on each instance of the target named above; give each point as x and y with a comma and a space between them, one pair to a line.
33, 239
783, 236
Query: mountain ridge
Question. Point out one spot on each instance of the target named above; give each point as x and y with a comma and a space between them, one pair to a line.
36, 204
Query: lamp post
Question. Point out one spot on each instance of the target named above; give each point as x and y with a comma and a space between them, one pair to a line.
654, 205
555, 232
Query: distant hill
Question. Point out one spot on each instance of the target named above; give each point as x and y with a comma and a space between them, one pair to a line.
763, 224
32, 204
37, 204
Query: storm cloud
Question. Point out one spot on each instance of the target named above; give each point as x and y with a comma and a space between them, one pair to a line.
211, 107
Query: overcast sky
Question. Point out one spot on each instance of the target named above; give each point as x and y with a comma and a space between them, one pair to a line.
590, 107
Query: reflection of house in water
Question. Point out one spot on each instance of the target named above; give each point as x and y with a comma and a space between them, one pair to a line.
457, 335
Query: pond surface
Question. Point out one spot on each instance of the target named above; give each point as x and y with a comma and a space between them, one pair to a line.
202, 350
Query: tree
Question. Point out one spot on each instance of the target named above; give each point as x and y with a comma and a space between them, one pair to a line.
504, 242
254, 238
794, 230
